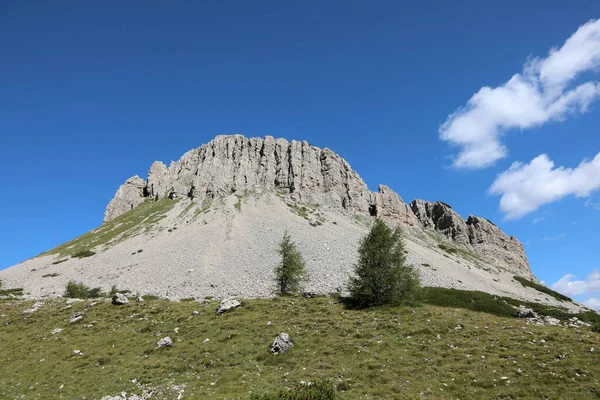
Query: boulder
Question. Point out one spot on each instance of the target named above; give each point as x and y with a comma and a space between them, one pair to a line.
523, 312
120, 299
227, 305
282, 343
165, 342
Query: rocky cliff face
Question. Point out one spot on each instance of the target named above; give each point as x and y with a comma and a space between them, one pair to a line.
475, 234
309, 175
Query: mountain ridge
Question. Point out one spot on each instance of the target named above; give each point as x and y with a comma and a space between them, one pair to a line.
309, 175
220, 239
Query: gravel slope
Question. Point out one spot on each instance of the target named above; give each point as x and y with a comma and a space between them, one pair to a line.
231, 250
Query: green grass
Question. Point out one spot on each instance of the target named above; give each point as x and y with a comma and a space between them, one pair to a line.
541, 288
188, 299
11, 292
60, 261
238, 204
321, 390
52, 275
301, 211
141, 217
378, 353
84, 254
448, 249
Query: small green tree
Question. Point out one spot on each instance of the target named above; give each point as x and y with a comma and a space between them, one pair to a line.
291, 273
382, 276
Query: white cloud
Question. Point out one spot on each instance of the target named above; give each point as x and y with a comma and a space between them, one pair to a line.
551, 238
538, 220
593, 303
526, 187
570, 286
540, 93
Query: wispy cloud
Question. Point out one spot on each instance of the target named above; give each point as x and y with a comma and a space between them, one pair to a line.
543, 91
593, 302
526, 187
556, 237
593, 204
538, 220
570, 286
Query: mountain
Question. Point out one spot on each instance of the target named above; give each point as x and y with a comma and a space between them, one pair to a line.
209, 225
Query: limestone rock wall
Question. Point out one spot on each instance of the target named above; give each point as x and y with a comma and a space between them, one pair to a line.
128, 196
310, 175
475, 234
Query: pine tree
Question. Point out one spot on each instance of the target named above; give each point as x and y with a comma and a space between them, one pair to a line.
291, 273
382, 276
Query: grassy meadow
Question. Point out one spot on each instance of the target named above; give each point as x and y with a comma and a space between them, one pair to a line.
424, 351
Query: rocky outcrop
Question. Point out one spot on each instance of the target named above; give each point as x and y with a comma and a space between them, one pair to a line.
129, 195
235, 164
476, 234
388, 205
496, 246
442, 218
306, 174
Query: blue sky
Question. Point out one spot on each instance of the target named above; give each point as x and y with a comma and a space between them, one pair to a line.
91, 94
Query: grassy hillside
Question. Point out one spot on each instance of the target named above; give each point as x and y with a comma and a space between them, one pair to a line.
383, 353
141, 218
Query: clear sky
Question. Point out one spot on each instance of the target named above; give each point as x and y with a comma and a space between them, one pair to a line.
436, 99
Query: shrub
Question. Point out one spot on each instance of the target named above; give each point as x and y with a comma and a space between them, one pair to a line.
321, 390
84, 254
59, 261
447, 249
77, 290
541, 288
11, 292
291, 273
471, 300
114, 290
596, 327
52, 275
382, 276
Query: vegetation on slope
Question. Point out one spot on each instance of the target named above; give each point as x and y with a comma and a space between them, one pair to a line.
379, 353
541, 288
141, 217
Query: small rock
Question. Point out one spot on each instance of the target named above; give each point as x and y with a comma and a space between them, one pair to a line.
140, 299
57, 330
195, 313
77, 352
458, 328
76, 317
165, 342
72, 301
227, 305
120, 299
282, 343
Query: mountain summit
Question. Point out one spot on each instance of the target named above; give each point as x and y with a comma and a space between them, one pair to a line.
209, 225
